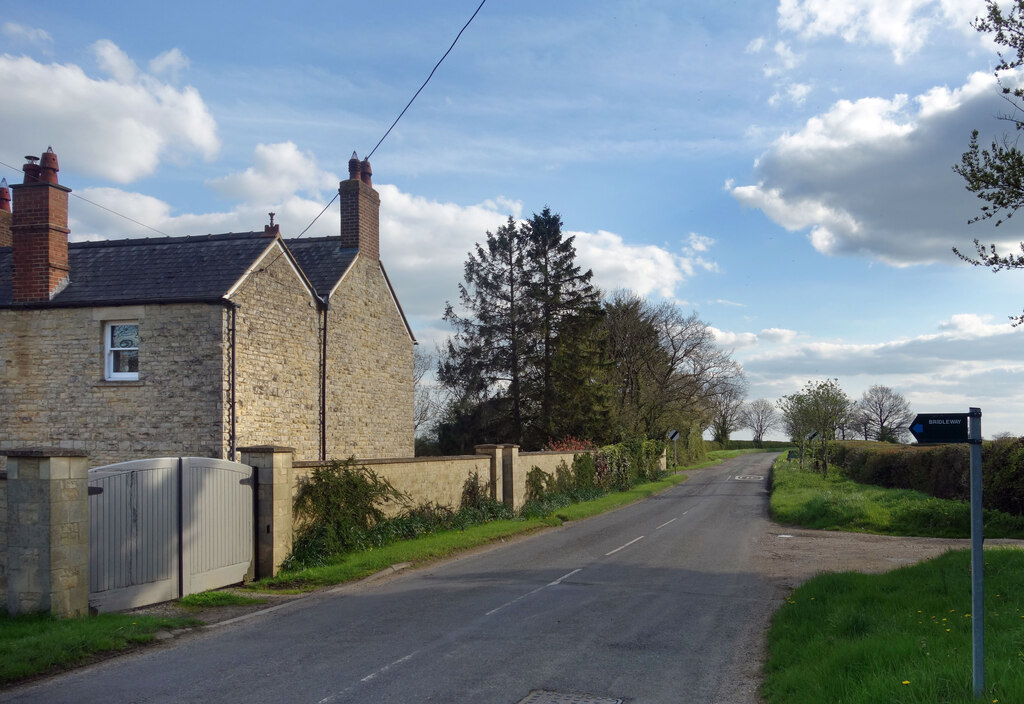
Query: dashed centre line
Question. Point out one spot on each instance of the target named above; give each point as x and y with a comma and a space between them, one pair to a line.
531, 593
623, 547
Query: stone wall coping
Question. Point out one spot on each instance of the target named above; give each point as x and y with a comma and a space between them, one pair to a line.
266, 448
391, 460
43, 452
494, 446
554, 452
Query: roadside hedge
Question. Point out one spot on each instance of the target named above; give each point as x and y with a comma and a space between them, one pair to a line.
942, 471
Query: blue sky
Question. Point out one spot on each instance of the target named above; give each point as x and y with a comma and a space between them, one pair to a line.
784, 170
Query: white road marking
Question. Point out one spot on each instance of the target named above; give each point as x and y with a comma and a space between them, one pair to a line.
623, 547
384, 669
666, 523
371, 676
565, 576
531, 593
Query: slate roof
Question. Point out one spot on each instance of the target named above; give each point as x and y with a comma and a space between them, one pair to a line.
323, 260
161, 269
179, 269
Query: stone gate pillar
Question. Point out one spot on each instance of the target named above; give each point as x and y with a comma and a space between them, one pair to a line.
47, 532
273, 466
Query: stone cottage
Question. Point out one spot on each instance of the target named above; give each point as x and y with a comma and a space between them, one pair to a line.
124, 349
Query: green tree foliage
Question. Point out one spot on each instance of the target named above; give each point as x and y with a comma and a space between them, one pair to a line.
524, 362
665, 368
569, 398
496, 335
996, 174
820, 409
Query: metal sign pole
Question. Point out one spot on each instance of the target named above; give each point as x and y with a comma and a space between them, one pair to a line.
977, 554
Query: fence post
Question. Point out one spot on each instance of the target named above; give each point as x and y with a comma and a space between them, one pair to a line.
274, 520
47, 532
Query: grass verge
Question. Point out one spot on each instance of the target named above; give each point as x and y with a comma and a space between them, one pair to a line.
205, 600
33, 644
903, 636
811, 500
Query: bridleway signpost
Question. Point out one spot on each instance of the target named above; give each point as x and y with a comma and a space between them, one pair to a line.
965, 428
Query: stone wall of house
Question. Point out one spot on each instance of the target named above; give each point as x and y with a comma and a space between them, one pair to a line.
278, 364
53, 392
369, 377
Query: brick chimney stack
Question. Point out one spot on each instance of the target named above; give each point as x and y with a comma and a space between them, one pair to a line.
39, 230
360, 209
6, 239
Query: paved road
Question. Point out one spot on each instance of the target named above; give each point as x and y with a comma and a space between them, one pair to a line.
656, 602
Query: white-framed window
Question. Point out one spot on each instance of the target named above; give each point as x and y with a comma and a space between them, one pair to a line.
121, 350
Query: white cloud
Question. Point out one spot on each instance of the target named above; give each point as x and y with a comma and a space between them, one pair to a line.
118, 128
170, 63
29, 35
115, 62
873, 177
772, 336
278, 169
778, 335
733, 340
902, 25
700, 243
645, 269
798, 92
755, 45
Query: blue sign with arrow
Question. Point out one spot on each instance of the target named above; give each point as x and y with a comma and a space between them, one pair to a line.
940, 428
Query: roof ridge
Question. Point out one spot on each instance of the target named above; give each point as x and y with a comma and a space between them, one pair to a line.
151, 241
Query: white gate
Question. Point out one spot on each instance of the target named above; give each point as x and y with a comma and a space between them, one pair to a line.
163, 528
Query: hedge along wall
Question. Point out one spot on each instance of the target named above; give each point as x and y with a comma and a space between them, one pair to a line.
939, 470
434, 479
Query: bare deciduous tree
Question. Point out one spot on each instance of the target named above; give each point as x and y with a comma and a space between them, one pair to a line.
426, 398
886, 413
760, 417
727, 408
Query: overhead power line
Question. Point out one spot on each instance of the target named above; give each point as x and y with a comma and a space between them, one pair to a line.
428, 78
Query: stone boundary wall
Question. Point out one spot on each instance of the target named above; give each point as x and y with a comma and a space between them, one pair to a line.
425, 479
61, 585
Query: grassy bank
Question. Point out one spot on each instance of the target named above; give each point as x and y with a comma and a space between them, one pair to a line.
33, 644
811, 500
903, 636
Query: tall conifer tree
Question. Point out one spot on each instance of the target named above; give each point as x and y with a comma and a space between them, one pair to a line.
568, 312
495, 334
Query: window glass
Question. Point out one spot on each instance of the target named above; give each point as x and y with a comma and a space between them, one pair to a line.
122, 351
